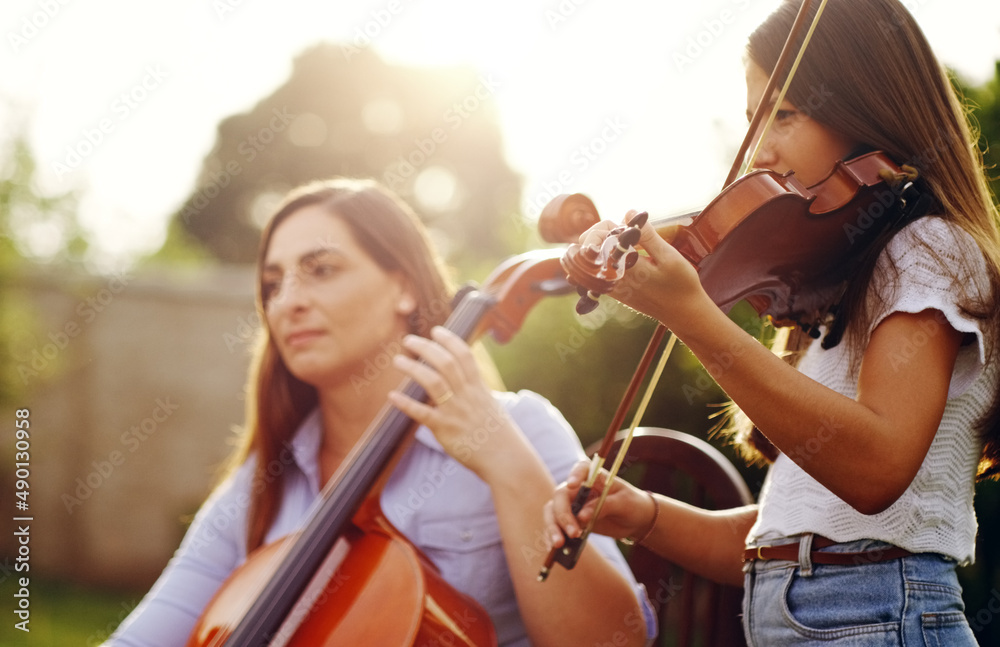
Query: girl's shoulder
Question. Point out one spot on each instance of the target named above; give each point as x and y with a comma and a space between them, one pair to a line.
933, 253
933, 263
933, 236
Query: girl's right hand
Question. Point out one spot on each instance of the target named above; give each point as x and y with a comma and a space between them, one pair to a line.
626, 512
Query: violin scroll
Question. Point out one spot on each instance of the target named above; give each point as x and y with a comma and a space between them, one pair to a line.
787, 249
595, 269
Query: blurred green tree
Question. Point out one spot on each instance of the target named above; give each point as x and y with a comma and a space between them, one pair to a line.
981, 581
430, 134
34, 226
984, 105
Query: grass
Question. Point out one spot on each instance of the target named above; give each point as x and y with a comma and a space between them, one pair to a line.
63, 615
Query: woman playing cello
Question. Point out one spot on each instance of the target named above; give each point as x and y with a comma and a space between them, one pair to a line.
350, 292
878, 434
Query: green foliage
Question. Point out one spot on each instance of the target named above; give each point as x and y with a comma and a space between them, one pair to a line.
428, 134
22, 208
984, 109
981, 581
179, 249
65, 614
36, 227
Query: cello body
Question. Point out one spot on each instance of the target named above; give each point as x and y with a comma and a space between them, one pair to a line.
348, 577
375, 588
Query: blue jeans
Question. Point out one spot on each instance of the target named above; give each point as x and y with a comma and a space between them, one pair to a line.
914, 601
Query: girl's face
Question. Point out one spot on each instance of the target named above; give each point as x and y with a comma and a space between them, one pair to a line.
795, 142
330, 308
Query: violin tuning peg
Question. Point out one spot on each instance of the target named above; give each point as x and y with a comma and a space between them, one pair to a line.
587, 303
629, 238
638, 220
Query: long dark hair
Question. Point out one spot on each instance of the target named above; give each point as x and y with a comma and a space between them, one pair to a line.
869, 74
277, 402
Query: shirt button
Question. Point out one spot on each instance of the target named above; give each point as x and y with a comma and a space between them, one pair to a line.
465, 535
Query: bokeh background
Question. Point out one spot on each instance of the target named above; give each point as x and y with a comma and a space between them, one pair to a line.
141, 144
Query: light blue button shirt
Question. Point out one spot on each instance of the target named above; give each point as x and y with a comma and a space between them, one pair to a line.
442, 507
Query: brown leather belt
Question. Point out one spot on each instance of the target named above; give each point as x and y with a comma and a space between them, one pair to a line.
790, 552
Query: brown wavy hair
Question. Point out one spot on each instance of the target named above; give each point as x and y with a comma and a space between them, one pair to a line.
869, 74
277, 402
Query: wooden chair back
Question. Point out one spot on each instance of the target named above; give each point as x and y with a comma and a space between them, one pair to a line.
692, 611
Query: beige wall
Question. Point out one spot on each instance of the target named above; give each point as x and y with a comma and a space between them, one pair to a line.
135, 384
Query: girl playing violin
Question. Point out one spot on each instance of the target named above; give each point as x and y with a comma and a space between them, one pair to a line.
350, 292
878, 434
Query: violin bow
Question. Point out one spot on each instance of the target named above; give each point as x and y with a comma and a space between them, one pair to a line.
572, 547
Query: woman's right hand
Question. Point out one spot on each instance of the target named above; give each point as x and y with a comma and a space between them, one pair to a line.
627, 510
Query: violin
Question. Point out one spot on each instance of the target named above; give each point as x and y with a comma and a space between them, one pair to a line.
331, 582
787, 249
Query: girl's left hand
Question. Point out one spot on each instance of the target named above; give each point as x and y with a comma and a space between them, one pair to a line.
460, 409
662, 283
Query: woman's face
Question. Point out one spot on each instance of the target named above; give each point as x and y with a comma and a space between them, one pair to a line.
331, 309
795, 142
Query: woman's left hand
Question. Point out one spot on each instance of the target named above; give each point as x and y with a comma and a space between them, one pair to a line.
460, 409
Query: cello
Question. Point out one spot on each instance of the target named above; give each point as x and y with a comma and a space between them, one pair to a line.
313, 587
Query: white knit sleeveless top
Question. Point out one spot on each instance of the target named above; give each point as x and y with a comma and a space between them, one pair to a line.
935, 513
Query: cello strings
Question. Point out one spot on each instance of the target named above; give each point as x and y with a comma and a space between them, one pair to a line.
463, 318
